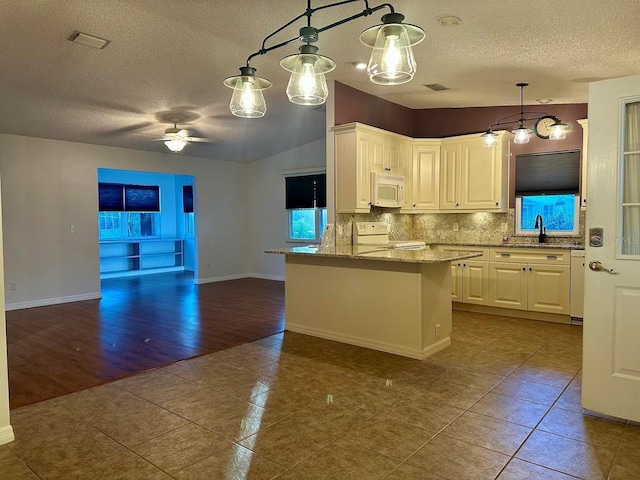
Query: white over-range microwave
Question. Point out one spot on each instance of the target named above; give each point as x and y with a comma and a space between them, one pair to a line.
387, 190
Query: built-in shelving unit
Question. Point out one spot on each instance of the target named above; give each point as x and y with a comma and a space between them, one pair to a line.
119, 258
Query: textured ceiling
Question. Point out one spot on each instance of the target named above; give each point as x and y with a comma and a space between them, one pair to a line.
170, 57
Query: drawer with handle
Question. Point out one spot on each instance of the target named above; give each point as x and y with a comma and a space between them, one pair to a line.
530, 255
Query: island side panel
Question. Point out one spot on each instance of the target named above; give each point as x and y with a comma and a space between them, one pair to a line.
436, 308
368, 303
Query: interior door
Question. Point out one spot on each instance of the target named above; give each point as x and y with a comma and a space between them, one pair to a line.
611, 359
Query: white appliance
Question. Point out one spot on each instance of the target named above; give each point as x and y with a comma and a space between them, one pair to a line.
577, 286
387, 190
377, 234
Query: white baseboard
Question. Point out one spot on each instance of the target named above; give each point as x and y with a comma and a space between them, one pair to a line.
52, 301
279, 278
360, 342
6, 435
436, 347
221, 279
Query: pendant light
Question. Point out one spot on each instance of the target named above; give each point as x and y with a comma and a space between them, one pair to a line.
392, 61
521, 133
307, 84
490, 138
247, 100
546, 127
558, 131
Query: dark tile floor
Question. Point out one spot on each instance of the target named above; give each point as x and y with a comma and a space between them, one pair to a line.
502, 402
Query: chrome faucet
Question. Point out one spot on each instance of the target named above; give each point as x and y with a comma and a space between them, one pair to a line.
543, 230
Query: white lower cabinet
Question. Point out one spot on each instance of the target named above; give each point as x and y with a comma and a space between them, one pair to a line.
508, 285
534, 280
469, 278
540, 285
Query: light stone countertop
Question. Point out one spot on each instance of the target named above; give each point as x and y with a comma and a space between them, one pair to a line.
560, 246
360, 252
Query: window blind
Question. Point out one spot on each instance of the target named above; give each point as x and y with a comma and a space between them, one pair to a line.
548, 173
187, 198
110, 197
141, 198
306, 191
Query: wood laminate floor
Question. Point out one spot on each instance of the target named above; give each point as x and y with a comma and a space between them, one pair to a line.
140, 323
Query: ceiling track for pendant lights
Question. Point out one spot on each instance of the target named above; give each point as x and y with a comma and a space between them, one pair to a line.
391, 62
546, 127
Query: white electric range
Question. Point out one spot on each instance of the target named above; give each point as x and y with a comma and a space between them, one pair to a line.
377, 234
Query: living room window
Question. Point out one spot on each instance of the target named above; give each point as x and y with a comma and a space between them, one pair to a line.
128, 211
306, 204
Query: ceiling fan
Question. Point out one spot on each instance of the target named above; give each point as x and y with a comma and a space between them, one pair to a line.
177, 138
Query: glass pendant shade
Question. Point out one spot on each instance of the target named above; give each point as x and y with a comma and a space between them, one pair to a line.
558, 131
307, 84
522, 135
247, 100
392, 61
490, 139
176, 144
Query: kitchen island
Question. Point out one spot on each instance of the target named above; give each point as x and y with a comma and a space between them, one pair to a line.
396, 301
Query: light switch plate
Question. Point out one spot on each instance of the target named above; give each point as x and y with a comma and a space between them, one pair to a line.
456, 227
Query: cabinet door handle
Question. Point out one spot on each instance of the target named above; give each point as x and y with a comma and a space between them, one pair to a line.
464, 264
457, 204
552, 257
496, 204
505, 254
414, 205
387, 169
529, 268
524, 269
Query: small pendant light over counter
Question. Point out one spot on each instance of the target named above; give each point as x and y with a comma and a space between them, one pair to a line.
546, 127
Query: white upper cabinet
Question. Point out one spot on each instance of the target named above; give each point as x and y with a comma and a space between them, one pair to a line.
422, 191
359, 151
472, 176
455, 174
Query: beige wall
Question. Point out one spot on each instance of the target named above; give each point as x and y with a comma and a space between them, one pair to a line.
266, 196
50, 185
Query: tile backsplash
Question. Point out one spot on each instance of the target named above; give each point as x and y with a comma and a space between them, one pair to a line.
479, 227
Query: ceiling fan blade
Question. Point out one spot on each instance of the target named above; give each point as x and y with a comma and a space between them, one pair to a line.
127, 129
198, 139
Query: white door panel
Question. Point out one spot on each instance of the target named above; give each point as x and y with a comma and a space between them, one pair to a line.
611, 361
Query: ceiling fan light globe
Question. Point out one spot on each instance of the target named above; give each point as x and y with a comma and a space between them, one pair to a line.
176, 145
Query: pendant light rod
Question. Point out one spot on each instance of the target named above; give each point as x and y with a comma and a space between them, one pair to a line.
312, 36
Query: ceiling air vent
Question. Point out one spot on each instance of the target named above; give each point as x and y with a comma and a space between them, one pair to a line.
436, 87
88, 40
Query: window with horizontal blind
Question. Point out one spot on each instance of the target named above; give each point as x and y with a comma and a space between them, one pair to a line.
187, 198
118, 197
547, 187
306, 191
128, 211
306, 202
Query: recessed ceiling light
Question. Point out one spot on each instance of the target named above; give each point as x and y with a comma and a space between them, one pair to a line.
449, 20
544, 101
361, 65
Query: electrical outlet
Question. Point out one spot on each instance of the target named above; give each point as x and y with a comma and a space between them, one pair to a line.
504, 227
73, 229
208, 266
340, 230
437, 331
13, 286
456, 227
